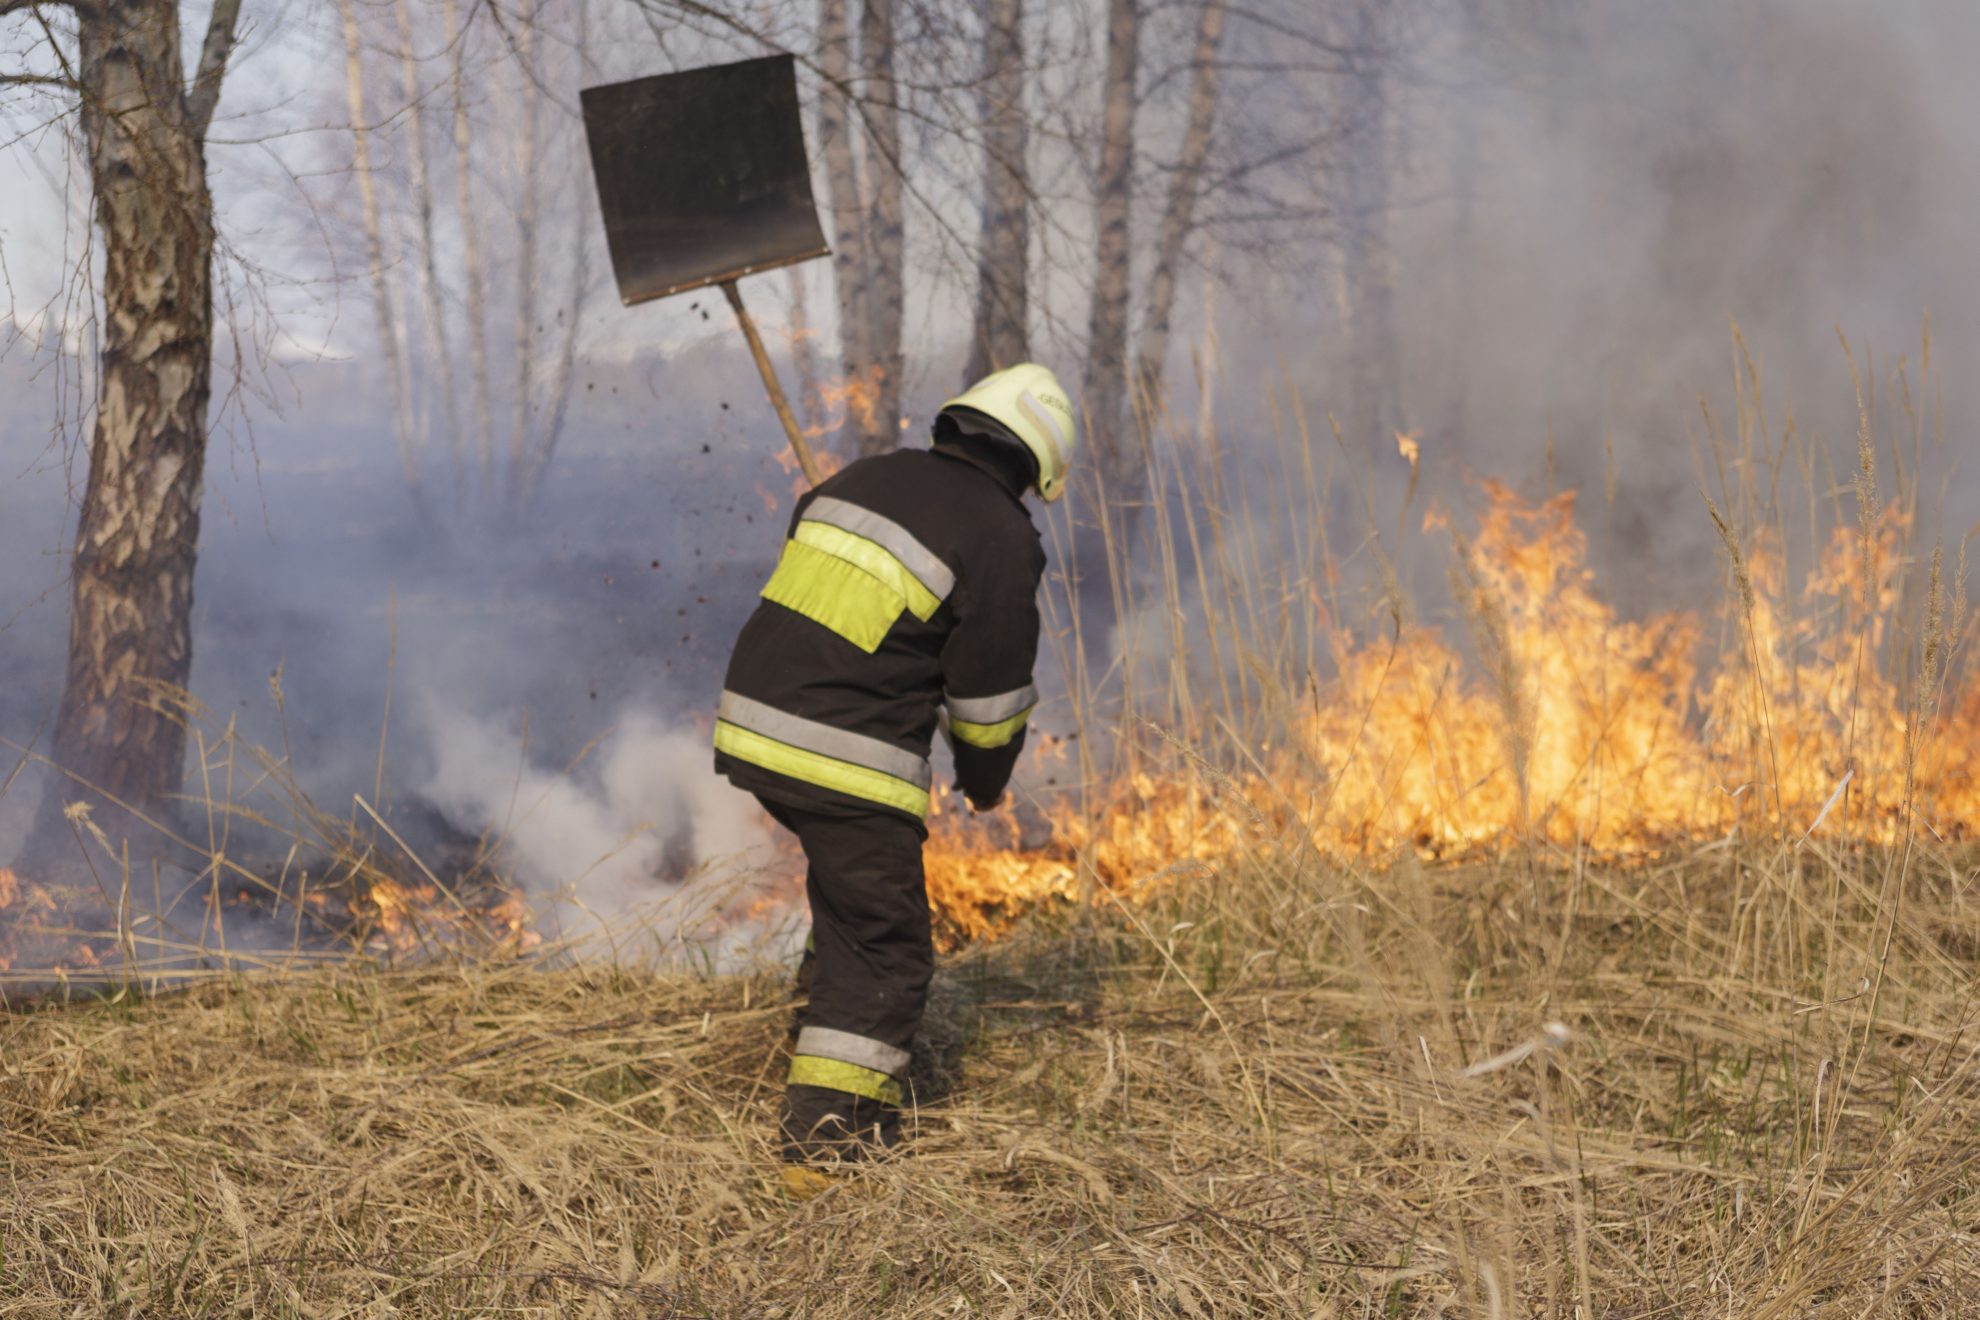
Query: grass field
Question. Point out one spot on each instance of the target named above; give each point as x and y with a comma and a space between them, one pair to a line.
1681, 1088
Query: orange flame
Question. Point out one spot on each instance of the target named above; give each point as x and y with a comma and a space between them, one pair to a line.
854, 398
1574, 728
828, 464
405, 919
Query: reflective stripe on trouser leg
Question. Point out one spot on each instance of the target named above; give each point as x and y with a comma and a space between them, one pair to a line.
878, 1055
875, 952
835, 1075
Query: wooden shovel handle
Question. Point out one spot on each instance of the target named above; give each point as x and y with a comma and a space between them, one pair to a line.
769, 374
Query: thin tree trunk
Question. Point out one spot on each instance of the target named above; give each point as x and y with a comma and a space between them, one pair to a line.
477, 285
1001, 337
1107, 333
1180, 216
558, 395
803, 352
848, 205
120, 725
1372, 381
886, 255
527, 216
1208, 368
374, 243
421, 181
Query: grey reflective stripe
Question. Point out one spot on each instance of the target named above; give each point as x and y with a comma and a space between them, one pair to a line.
992, 710
890, 536
839, 744
825, 1043
1043, 418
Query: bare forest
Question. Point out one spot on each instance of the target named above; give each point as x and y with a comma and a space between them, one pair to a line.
1499, 832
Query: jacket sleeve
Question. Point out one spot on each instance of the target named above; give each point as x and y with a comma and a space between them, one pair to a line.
986, 668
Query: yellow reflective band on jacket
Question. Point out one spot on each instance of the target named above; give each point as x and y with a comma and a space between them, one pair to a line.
825, 771
835, 592
895, 539
810, 1070
988, 736
876, 559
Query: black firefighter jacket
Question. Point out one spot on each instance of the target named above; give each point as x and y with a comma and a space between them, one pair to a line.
908, 584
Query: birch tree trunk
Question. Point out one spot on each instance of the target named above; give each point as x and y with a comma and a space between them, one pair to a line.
1106, 344
119, 728
421, 181
374, 246
886, 253
1001, 336
846, 198
477, 296
557, 391
1179, 217
527, 215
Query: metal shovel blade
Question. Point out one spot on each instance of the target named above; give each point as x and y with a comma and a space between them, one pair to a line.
702, 175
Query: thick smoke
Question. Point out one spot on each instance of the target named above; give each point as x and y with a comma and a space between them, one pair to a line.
1587, 199
638, 824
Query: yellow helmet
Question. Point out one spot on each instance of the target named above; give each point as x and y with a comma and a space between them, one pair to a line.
1028, 401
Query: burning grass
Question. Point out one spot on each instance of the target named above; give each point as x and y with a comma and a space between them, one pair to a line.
1828, 711
1285, 1088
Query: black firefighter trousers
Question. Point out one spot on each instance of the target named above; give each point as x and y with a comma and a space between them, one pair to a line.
871, 956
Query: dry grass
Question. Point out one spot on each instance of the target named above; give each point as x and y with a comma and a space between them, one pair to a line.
1294, 1090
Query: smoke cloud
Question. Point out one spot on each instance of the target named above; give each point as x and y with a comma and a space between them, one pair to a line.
638, 821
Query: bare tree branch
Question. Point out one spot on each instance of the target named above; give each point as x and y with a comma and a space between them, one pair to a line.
36, 80
219, 44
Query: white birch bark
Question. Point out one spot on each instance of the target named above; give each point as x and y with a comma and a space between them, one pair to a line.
119, 731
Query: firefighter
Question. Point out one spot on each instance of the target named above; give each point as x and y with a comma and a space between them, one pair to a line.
905, 597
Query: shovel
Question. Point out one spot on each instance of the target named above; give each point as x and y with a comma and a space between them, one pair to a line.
702, 179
